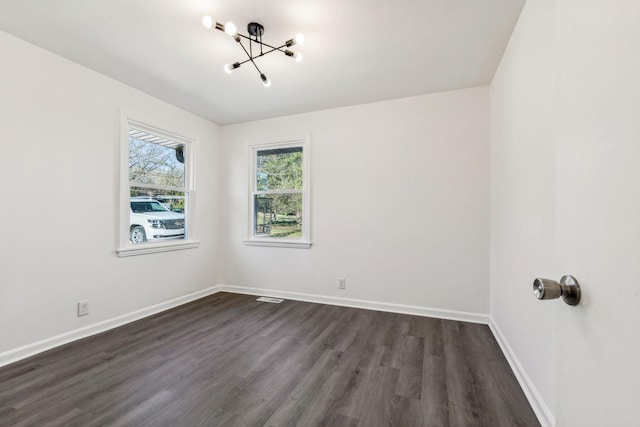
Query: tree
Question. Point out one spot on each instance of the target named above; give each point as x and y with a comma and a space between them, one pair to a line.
281, 170
155, 164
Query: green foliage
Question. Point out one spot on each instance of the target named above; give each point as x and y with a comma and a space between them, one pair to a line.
281, 171
287, 227
283, 226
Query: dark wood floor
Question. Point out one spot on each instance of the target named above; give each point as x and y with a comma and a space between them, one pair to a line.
228, 360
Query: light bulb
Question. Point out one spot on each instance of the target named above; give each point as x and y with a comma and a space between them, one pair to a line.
228, 68
298, 57
207, 21
265, 81
230, 29
298, 39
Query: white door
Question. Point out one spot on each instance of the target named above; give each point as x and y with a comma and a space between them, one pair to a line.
598, 212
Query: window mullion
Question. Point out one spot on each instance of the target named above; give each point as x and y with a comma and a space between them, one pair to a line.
159, 187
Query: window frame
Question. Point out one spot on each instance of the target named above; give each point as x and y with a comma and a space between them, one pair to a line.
304, 242
126, 248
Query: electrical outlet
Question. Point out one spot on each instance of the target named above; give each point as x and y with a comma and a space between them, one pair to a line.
83, 308
342, 283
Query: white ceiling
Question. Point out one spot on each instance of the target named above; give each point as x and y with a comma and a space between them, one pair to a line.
355, 52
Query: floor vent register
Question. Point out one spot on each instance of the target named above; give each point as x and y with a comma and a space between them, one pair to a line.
271, 300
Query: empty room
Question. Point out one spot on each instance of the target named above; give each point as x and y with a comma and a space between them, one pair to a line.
320, 213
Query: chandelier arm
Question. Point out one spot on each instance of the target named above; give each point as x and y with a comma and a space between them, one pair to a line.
250, 58
255, 65
269, 51
246, 51
280, 49
275, 48
244, 62
263, 43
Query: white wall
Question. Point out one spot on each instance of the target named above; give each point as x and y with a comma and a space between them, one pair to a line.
523, 138
59, 136
399, 203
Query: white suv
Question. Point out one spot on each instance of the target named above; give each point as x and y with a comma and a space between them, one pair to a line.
151, 221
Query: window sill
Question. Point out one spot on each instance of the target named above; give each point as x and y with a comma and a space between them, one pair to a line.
278, 243
152, 248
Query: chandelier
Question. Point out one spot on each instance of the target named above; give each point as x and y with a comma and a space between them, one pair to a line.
256, 47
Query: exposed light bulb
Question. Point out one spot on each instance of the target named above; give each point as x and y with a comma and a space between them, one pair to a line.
228, 68
207, 21
265, 81
299, 39
298, 57
230, 29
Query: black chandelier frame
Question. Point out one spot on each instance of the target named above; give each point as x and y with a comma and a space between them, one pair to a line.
256, 30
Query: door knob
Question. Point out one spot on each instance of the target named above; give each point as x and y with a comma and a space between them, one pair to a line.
568, 289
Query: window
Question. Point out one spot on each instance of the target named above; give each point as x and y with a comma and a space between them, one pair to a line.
156, 190
279, 199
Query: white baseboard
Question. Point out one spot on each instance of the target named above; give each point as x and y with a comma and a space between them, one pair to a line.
28, 350
540, 408
356, 303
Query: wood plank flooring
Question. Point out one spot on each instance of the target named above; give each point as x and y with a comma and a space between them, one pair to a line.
227, 360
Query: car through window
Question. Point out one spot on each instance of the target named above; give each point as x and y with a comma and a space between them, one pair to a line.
157, 190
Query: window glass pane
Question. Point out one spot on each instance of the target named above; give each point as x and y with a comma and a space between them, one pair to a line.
278, 215
263, 215
154, 160
156, 216
279, 169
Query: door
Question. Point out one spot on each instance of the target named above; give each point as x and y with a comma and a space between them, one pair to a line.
598, 211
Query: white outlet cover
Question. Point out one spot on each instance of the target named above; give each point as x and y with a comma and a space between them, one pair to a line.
83, 308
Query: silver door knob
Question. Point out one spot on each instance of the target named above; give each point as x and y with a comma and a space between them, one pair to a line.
568, 289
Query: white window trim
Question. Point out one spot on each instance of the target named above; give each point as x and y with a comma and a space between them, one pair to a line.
305, 241
126, 248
